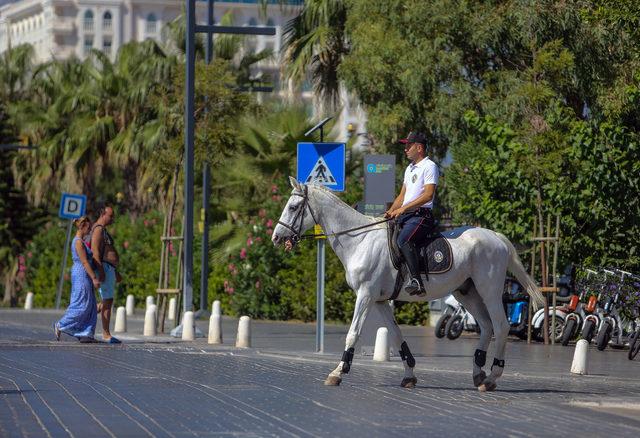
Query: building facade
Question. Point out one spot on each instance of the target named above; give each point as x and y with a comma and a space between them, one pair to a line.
61, 29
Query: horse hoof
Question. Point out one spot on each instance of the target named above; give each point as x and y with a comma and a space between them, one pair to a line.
479, 378
333, 381
487, 387
409, 382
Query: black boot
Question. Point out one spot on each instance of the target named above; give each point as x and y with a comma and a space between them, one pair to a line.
410, 254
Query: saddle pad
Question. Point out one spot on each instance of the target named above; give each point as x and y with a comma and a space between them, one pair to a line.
437, 256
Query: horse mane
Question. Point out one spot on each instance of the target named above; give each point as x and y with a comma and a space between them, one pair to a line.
339, 203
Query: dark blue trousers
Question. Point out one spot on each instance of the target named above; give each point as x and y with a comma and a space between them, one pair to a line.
415, 227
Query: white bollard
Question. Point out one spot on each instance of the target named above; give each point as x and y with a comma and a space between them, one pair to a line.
215, 329
121, 321
28, 302
244, 332
215, 308
149, 301
579, 365
172, 310
150, 321
381, 349
131, 305
188, 327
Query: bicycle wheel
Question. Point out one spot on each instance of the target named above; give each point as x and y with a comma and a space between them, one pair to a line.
567, 332
587, 331
454, 327
441, 325
634, 345
604, 336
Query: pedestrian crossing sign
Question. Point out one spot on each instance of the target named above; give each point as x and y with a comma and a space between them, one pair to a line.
322, 163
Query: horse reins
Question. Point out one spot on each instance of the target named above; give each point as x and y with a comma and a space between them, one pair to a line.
300, 215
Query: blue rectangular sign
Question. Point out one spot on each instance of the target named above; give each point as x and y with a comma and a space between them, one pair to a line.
322, 163
72, 206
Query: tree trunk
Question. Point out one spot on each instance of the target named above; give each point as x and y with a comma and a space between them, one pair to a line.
10, 293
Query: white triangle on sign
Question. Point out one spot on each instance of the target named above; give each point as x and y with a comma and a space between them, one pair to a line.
321, 174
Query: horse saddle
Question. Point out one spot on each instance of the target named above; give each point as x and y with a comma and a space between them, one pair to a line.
435, 252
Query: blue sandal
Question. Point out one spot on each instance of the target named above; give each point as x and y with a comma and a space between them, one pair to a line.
113, 340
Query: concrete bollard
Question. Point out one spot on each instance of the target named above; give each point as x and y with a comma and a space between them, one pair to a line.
215, 308
215, 329
28, 302
188, 327
121, 321
172, 310
579, 365
150, 321
381, 348
244, 332
149, 301
130, 305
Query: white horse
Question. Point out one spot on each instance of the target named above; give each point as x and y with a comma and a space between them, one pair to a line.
481, 259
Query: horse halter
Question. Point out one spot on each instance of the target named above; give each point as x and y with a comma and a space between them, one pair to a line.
299, 217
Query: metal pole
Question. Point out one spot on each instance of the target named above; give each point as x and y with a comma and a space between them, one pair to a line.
64, 264
204, 260
189, 158
320, 298
206, 193
320, 286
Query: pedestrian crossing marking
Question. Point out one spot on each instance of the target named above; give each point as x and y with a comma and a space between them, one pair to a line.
321, 174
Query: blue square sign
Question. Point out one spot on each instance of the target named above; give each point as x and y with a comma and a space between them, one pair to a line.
322, 163
72, 206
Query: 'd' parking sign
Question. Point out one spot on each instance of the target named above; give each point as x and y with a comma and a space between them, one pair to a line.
72, 206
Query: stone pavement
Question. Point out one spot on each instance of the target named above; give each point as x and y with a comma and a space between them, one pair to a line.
166, 387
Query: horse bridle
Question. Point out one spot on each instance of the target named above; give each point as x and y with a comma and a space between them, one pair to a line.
296, 237
299, 216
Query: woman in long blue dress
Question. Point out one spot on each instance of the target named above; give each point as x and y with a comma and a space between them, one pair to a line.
80, 318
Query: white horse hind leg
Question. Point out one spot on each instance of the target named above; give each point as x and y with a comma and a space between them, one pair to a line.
473, 303
363, 301
492, 298
409, 380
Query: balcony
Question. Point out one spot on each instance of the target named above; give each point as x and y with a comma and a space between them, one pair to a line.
63, 25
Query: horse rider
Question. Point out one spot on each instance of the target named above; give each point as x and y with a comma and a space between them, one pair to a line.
412, 208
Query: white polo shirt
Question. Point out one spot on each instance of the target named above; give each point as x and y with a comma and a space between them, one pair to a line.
416, 176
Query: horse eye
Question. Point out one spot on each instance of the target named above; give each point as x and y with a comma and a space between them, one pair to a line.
293, 207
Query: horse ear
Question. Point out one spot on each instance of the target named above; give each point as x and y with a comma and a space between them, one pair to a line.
294, 184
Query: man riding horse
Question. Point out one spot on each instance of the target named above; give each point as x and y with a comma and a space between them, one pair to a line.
412, 208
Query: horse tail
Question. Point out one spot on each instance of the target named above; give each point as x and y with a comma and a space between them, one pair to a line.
516, 268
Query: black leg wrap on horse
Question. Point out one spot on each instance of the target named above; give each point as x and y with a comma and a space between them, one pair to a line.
480, 357
500, 363
405, 354
347, 357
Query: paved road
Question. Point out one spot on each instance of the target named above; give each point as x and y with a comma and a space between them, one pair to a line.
164, 387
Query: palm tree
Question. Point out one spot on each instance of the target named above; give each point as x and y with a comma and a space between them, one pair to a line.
264, 155
315, 43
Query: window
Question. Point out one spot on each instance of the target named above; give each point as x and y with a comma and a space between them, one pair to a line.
106, 21
253, 22
152, 23
88, 45
270, 22
106, 46
88, 21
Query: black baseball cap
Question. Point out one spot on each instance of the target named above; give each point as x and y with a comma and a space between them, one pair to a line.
415, 137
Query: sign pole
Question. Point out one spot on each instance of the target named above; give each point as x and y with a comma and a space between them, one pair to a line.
320, 292
320, 284
64, 264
